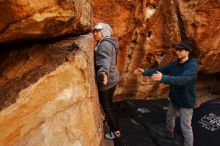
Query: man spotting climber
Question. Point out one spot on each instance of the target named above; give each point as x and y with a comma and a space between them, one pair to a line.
181, 75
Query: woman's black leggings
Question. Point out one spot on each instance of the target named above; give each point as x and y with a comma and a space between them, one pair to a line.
105, 98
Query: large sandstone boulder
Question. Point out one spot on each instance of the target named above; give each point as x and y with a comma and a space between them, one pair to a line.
39, 19
49, 96
147, 31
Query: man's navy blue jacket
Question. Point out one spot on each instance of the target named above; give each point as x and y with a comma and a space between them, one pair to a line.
182, 80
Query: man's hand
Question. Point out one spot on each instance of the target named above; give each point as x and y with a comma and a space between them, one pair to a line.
157, 76
138, 71
103, 78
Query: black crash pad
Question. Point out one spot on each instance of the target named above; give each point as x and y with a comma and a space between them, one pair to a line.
140, 121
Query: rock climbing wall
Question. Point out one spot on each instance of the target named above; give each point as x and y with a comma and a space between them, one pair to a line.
41, 19
148, 30
48, 95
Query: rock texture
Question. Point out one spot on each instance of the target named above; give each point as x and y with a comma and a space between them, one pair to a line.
147, 31
202, 20
52, 96
41, 19
48, 95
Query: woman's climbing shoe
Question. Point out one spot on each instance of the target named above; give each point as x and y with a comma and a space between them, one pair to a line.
112, 135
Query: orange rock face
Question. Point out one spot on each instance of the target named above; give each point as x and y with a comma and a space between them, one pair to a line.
147, 31
31, 19
48, 94
53, 101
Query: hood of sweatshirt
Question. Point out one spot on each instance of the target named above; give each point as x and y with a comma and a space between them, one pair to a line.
112, 40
